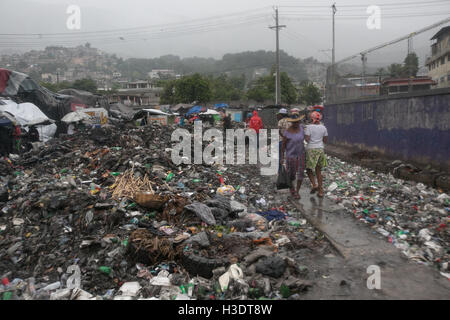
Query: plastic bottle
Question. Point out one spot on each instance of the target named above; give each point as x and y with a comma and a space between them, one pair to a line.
169, 176
104, 269
7, 295
52, 286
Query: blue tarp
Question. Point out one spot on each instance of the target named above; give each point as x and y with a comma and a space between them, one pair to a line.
220, 105
196, 109
273, 215
5, 122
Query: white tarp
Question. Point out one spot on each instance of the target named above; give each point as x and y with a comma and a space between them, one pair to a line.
156, 112
27, 114
46, 132
210, 111
89, 115
75, 117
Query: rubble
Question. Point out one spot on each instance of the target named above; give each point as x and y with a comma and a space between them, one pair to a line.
412, 216
110, 203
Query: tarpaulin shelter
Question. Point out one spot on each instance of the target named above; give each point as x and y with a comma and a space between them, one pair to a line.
27, 114
181, 107
75, 117
22, 88
119, 110
195, 109
146, 112
221, 106
210, 112
87, 98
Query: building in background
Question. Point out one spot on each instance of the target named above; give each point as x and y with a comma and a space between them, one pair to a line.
137, 93
162, 74
439, 62
401, 85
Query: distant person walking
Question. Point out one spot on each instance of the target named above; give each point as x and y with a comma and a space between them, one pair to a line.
293, 152
283, 125
17, 134
256, 124
227, 122
316, 135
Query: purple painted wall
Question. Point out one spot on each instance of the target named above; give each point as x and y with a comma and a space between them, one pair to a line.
412, 127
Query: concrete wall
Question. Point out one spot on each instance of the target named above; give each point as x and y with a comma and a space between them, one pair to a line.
411, 127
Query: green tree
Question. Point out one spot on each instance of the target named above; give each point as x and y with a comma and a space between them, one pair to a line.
411, 65
225, 88
168, 94
193, 88
288, 92
310, 94
187, 90
264, 89
396, 70
86, 85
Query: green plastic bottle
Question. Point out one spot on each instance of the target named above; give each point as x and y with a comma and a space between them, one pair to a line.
7, 295
169, 176
105, 270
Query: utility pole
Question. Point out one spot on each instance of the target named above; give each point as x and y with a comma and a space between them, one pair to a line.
364, 67
410, 50
333, 7
277, 28
333, 58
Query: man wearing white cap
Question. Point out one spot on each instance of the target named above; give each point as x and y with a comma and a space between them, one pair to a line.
295, 111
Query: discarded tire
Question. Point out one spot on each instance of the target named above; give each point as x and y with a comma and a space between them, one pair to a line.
198, 265
443, 182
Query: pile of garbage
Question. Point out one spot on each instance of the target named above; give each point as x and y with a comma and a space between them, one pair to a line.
106, 215
412, 216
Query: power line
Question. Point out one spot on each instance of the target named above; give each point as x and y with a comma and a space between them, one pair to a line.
324, 17
366, 5
122, 30
148, 35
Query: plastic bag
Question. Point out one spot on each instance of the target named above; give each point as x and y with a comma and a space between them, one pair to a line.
283, 181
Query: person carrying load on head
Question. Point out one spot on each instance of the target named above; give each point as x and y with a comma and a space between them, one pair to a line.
293, 153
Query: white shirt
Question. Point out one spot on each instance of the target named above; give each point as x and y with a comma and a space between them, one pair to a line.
316, 133
71, 129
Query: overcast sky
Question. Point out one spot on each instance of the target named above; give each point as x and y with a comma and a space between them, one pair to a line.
211, 28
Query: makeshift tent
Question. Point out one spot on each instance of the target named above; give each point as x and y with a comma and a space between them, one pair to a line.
22, 88
27, 114
196, 109
155, 112
145, 112
210, 112
181, 107
87, 98
11, 83
220, 106
76, 116
119, 110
